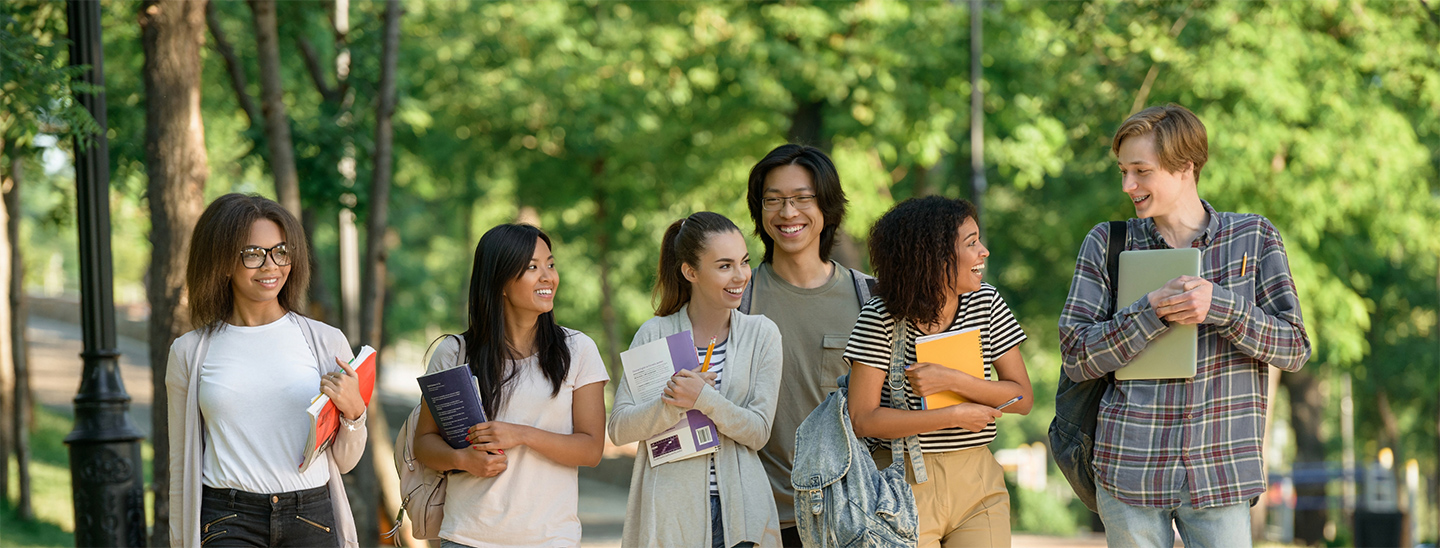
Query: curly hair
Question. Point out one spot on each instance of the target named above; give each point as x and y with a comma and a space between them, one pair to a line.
912, 251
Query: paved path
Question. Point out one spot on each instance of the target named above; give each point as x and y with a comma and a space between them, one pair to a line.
55, 377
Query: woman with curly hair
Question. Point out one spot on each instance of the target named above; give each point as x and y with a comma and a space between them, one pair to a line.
930, 264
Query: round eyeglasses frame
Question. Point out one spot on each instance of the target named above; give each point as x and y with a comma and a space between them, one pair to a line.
281, 259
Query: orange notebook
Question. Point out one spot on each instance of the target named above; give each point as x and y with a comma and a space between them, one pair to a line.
959, 350
325, 417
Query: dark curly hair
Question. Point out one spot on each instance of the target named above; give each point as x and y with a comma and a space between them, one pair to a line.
912, 251
829, 195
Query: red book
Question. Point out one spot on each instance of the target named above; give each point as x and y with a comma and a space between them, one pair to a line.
325, 417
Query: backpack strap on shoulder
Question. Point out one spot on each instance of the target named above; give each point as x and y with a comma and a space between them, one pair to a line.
895, 378
1112, 261
864, 286
745, 297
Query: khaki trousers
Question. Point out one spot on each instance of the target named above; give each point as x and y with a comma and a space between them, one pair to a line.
964, 504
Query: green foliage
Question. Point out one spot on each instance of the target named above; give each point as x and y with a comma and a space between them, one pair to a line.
611, 120
35, 84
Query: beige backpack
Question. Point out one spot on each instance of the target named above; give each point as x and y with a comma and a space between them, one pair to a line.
422, 490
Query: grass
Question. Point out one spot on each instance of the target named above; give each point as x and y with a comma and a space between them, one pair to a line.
51, 498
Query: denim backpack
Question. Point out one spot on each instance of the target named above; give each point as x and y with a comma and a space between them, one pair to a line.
840, 498
1072, 433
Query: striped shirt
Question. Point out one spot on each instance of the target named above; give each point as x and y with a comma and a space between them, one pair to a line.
874, 332
1164, 443
717, 366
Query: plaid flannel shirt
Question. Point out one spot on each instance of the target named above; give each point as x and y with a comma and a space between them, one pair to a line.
1163, 443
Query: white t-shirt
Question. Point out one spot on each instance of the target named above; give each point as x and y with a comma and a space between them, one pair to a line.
535, 501
255, 385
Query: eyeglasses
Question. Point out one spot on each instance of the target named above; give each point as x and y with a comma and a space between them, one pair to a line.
254, 256
776, 203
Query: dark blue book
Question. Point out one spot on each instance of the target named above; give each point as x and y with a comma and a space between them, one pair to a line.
453, 396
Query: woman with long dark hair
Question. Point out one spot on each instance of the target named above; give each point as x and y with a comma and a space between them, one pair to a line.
238, 387
930, 265
543, 388
704, 267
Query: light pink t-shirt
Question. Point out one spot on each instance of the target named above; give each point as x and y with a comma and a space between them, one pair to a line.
535, 501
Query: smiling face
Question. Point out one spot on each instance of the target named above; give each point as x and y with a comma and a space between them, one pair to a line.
1154, 191
795, 231
719, 279
533, 293
260, 285
970, 257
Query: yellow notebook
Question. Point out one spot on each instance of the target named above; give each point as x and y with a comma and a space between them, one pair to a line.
959, 350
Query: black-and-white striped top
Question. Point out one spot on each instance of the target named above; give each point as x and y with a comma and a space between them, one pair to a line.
870, 344
717, 366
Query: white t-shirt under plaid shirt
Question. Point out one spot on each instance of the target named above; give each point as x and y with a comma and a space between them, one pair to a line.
874, 333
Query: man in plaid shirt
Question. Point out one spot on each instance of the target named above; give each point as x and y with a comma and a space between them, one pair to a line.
1182, 451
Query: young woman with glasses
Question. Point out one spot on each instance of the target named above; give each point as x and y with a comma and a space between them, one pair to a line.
238, 387
542, 386
704, 267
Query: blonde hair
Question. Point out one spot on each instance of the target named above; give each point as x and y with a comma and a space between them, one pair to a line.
1179, 136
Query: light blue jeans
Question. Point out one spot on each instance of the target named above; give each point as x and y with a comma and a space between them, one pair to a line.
1129, 526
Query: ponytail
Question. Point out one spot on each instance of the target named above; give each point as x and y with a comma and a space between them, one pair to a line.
682, 244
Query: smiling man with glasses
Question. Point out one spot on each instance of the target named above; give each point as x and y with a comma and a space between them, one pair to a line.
797, 205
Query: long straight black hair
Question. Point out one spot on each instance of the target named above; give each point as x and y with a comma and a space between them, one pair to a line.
501, 256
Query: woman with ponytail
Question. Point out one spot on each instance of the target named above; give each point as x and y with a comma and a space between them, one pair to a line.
704, 268
543, 388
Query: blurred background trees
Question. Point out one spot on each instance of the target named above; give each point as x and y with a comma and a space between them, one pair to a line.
603, 122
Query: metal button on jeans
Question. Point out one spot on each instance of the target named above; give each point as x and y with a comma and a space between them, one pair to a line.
274, 499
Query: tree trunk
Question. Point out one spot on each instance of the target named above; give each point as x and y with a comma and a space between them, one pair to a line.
172, 34
807, 125
272, 106
372, 304
602, 260
322, 300
18, 315
1307, 414
7, 369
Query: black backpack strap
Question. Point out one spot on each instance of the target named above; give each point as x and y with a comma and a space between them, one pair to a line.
1112, 261
864, 286
745, 297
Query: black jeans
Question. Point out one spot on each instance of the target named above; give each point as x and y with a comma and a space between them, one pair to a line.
717, 526
230, 517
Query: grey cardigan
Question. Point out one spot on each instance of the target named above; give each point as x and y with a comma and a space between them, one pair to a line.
187, 440
668, 504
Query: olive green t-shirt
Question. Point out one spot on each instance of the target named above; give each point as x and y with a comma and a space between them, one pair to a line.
814, 326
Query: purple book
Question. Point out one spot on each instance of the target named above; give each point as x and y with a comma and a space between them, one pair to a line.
453, 396
648, 368
682, 353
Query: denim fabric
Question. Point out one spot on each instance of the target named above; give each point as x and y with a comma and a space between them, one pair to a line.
841, 500
230, 517
1129, 526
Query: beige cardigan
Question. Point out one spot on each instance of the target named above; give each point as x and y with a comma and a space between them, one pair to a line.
668, 505
187, 442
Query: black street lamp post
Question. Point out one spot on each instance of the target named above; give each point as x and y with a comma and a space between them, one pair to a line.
105, 471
